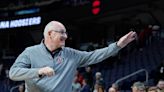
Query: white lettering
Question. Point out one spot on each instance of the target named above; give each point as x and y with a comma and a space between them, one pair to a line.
20, 22
4, 24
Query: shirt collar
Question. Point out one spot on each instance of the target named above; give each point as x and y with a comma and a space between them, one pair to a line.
51, 52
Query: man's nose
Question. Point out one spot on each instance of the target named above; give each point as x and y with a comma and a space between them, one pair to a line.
65, 36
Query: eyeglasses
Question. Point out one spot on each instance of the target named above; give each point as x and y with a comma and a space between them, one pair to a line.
61, 32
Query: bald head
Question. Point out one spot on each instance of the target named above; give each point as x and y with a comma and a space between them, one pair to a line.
53, 25
54, 35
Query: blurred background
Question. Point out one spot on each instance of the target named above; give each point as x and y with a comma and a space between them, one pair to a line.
91, 24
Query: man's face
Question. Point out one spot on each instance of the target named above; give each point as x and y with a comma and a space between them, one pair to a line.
161, 84
135, 89
58, 37
88, 69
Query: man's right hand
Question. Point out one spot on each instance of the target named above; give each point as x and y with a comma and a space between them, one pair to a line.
46, 71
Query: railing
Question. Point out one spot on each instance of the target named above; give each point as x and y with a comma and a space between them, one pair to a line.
130, 75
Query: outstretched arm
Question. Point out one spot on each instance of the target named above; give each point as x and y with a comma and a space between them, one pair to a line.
87, 58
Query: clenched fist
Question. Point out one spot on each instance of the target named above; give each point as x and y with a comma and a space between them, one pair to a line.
46, 71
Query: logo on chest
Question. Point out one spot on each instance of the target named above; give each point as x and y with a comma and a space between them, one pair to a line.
59, 60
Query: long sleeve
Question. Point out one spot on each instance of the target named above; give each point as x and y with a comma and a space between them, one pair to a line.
88, 58
21, 70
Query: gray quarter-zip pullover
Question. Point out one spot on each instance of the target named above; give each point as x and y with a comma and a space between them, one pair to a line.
64, 64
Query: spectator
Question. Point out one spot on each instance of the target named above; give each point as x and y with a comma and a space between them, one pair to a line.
138, 87
89, 76
160, 85
85, 87
153, 89
76, 86
116, 87
99, 78
111, 89
98, 88
21, 88
79, 77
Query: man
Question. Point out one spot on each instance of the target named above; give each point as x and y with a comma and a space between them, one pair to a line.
160, 85
112, 89
88, 75
99, 79
50, 67
138, 87
21, 88
86, 87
